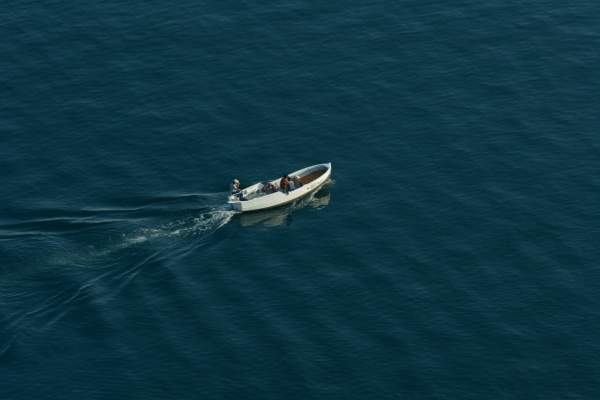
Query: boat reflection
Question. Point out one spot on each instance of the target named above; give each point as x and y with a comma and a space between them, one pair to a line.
283, 215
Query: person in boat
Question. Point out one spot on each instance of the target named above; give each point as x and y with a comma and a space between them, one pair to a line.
268, 188
235, 190
296, 183
284, 184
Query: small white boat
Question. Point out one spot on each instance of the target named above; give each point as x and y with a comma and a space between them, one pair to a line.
255, 198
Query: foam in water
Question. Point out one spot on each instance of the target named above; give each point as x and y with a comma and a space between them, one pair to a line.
206, 223
202, 223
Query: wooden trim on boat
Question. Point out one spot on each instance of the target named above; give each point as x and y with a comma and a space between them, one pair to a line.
312, 176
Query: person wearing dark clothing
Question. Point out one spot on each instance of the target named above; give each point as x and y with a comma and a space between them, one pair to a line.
284, 184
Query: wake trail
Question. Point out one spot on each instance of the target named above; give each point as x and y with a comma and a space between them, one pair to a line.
203, 225
168, 223
99, 253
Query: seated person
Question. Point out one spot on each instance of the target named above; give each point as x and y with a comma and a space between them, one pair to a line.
296, 182
268, 187
235, 190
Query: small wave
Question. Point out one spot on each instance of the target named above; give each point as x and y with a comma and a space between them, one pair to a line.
52, 226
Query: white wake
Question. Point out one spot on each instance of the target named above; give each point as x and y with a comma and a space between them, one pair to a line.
206, 223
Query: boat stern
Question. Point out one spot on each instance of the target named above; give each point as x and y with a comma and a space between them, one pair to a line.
235, 204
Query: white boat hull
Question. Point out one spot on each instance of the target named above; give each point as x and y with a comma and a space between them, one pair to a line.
279, 198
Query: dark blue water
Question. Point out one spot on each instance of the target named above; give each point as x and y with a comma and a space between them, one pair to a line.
454, 255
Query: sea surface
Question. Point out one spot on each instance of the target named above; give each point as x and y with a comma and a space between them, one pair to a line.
454, 255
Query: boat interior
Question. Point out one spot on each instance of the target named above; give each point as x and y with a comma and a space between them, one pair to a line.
304, 179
